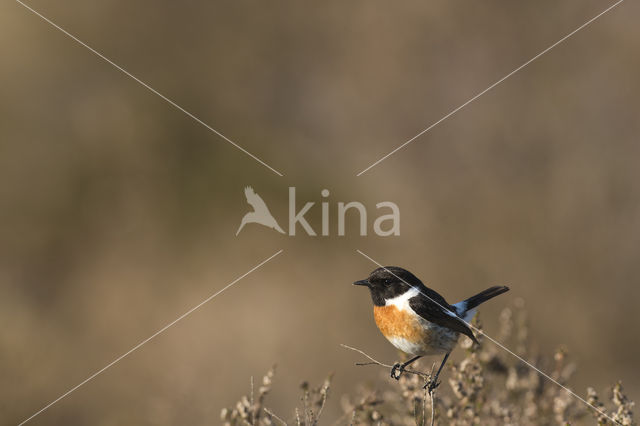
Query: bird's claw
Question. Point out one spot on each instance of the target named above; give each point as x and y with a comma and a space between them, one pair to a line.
431, 386
396, 367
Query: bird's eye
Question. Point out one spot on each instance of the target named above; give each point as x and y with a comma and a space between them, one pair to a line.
387, 281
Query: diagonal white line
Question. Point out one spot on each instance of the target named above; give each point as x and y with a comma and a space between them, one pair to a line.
491, 87
497, 343
163, 329
146, 86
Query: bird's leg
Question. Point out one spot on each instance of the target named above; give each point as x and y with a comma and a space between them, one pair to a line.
400, 367
433, 383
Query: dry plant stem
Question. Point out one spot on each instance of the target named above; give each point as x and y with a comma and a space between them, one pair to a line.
352, 413
424, 407
325, 390
253, 419
418, 373
376, 362
272, 414
432, 396
433, 406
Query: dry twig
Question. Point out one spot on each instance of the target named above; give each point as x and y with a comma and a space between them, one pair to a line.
426, 376
272, 414
376, 362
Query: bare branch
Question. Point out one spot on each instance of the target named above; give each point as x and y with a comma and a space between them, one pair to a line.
432, 396
426, 376
272, 414
376, 362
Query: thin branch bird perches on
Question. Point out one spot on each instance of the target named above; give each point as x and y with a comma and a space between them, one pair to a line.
376, 362
425, 376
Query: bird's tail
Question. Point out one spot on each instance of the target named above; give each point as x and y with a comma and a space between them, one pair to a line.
467, 308
482, 297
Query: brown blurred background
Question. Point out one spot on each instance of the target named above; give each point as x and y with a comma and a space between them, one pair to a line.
118, 212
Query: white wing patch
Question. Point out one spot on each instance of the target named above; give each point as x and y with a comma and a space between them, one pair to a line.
402, 302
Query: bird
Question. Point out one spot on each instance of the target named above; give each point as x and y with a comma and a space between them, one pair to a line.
416, 319
260, 213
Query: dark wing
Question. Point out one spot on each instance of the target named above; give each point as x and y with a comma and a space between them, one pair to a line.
431, 306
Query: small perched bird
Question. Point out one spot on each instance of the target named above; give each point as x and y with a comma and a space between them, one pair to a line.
416, 319
260, 213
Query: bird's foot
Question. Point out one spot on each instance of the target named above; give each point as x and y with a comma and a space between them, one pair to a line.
431, 385
399, 368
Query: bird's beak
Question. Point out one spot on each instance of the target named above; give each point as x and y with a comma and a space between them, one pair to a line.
362, 282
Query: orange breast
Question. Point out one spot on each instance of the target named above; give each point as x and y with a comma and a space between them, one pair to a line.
396, 323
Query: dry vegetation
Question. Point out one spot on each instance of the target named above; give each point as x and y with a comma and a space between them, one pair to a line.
488, 387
